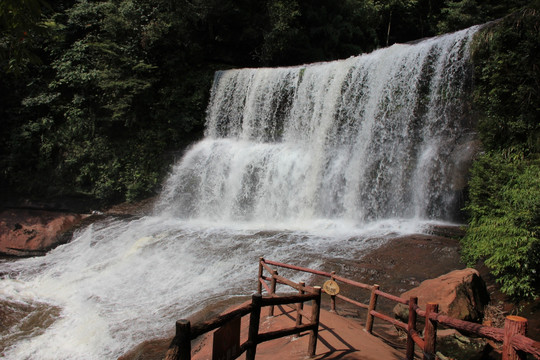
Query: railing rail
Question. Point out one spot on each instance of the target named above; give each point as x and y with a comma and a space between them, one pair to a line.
180, 348
515, 342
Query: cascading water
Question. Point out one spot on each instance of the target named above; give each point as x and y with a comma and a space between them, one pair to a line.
300, 163
363, 139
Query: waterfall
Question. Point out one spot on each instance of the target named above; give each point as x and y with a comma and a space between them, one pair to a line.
304, 165
363, 139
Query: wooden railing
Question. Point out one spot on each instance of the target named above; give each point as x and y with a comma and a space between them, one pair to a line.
180, 348
513, 336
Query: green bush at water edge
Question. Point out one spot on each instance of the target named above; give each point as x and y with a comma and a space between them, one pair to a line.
504, 189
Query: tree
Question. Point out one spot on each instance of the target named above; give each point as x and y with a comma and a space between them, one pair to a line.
459, 14
21, 27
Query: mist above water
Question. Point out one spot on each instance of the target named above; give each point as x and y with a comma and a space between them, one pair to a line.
299, 164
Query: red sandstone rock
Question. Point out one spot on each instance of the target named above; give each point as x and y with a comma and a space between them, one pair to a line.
461, 294
33, 232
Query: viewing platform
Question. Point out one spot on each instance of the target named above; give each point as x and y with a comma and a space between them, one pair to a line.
339, 338
279, 326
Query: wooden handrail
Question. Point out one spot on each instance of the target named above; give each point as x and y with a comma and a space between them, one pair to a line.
515, 343
518, 342
318, 272
392, 297
220, 320
294, 267
389, 319
526, 344
489, 332
352, 282
351, 301
417, 338
264, 264
290, 299
180, 348
272, 335
286, 281
263, 283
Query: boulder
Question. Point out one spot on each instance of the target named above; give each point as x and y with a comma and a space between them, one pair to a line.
34, 232
461, 294
451, 344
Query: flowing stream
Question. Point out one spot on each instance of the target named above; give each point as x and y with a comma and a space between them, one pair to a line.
299, 164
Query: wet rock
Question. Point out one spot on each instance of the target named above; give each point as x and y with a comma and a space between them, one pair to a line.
461, 294
460, 161
155, 349
25, 232
452, 345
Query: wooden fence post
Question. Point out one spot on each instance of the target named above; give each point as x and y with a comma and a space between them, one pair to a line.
430, 332
299, 307
253, 331
315, 313
273, 285
372, 305
333, 297
183, 337
259, 278
180, 348
513, 325
413, 301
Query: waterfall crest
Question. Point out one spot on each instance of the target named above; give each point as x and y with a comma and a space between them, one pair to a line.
367, 138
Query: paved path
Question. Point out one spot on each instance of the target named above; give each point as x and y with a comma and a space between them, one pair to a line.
339, 338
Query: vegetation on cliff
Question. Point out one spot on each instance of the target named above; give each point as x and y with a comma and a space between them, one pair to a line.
504, 204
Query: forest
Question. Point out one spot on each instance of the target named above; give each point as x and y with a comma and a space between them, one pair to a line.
99, 97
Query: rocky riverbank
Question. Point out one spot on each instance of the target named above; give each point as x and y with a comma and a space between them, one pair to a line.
30, 232
32, 229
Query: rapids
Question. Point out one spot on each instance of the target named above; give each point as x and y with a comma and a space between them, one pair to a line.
299, 164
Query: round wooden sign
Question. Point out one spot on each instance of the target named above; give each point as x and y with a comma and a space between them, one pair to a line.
331, 287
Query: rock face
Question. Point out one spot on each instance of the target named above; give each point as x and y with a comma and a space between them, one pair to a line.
461, 294
33, 232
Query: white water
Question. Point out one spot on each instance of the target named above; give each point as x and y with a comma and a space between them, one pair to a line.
312, 162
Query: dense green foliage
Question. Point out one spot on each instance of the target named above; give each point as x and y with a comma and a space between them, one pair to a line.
504, 203
504, 229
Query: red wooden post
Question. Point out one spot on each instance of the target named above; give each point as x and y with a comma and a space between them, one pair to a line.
333, 297
513, 325
372, 305
259, 278
273, 284
430, 332
315, 313
299, 307
413, 301
253, 331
